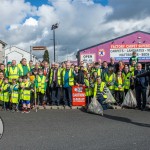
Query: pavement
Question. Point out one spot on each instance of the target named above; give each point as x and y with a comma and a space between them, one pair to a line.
75, 129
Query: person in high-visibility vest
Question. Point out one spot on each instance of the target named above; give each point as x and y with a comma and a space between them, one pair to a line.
13, 71
88, 88
5, 91
127, 77
100, 92
97, 69
26, 93
133, 58
20, 99
55, 84
3, 69
14, 88
119, 88
67, 82
1, 82
40, 82
24, 67
132, 67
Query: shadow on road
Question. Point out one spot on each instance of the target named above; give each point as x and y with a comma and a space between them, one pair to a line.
126, 120
121, 119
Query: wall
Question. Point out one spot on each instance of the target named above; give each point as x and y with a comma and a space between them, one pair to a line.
14, 53
131, 39
1, 53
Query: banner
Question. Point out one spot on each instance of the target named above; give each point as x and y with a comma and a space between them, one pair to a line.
78, 96
124, 51
87, 58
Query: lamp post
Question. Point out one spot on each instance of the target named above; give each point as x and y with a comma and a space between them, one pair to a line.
54, 26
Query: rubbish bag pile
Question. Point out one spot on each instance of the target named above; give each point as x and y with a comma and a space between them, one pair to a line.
130, 100
95, 107
110, 99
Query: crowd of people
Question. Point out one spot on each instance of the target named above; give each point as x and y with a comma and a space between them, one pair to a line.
24, 85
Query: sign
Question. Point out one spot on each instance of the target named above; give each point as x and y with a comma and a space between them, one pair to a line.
124, 52
78, 96
101, 52
87, 58
40, 48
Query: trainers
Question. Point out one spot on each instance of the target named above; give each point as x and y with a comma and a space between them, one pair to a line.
28, 111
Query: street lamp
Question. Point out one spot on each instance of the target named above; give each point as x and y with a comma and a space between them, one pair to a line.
54, 26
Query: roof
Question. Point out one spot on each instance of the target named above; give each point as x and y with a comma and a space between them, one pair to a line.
4, 44
20, 49
112, 40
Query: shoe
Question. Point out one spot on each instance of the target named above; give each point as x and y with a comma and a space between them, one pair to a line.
13, 111
28, 111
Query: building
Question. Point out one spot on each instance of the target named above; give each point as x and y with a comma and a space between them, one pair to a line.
15, 53
120, 48
2, 46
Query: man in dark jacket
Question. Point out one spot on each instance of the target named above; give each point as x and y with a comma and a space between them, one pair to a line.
140, 84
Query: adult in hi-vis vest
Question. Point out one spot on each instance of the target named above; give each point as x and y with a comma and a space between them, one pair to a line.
68, 82
24, 67
13, 72
55, 84
100, 92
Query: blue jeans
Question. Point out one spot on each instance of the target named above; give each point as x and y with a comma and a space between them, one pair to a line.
101, 100
67, 91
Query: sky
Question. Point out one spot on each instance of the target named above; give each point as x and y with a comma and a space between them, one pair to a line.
82, 23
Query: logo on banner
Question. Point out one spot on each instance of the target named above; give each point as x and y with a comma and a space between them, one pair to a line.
101, 52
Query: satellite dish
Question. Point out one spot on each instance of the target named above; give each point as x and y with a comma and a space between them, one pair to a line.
1, 127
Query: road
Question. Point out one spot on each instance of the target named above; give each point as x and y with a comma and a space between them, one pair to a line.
76, 130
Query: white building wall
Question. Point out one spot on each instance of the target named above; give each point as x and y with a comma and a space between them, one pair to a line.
15, 53
1, 53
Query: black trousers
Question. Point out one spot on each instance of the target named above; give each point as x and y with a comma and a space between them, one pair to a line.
119, 96
140, 95
40, 98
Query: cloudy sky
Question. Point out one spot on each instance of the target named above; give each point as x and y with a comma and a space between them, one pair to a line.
82, 23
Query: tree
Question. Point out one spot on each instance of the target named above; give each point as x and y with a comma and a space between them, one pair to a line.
46, 56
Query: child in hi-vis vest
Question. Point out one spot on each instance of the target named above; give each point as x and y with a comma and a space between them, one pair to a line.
26, 94
5, 92
119, 88
14, 95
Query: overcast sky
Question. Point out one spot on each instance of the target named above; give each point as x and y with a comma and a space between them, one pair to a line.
82, 23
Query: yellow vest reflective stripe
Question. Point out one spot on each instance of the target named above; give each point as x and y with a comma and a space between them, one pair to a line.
13, 73
110, 78
5, 94
120, 82
26, 93
102, 86
21, 68
14, 94
58, 76
71, 77
126, 78
41, 84
1, 93
88, 90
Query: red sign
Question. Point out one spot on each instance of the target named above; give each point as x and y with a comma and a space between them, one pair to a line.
78, 96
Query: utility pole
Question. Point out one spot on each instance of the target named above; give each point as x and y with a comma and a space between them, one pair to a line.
54, 26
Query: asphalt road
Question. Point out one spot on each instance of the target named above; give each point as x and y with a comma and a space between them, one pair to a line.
76, 130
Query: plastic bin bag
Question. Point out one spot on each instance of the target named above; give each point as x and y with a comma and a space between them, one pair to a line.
95, 107
110, 99
130, 100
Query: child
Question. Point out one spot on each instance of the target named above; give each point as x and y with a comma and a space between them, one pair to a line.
88, 89
26, 92
20, 91
5, 91
14, 95
1, 82
119, 88
41, 87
